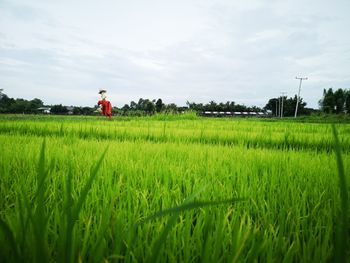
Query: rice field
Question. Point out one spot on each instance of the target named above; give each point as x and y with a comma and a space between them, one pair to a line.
171, 189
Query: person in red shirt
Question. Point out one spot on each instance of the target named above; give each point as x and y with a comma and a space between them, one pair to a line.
105, 105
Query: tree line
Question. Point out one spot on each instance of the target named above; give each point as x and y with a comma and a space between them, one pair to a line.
332, 102
139, 108
335, 102
149, 107
230, 106
11, 105
286, 106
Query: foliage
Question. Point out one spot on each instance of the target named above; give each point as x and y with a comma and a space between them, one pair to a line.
10, 105
213, 106
335, 101
59, 109
289, 105
148, 107
159, 105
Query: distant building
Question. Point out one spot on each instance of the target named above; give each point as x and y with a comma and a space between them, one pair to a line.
44, 110
235, 114
70, 110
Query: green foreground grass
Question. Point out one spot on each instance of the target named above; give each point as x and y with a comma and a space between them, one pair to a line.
242, 190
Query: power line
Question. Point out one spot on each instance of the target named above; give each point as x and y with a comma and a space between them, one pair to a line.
298, 98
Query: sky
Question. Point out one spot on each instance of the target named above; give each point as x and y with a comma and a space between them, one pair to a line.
181, 50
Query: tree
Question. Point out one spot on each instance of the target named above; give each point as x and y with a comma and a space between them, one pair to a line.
328, 101
126, 108
212, 106
159, 105
288, 106
133, 105
221, 107
195, 107
339, 101
347, 101
10, 105
140, 104
149, 107
59, 109
6, 103
335, 102
35, 104
172, 107
240, 108
77, 111
271, 105
88, 111
19, 106
231, 106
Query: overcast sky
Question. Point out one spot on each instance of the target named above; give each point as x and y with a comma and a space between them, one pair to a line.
196, 50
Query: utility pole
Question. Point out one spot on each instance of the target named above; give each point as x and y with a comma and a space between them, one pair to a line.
298, 98
283, 93
276, 108
279, 106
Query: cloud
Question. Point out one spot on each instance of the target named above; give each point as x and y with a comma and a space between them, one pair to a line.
245, 51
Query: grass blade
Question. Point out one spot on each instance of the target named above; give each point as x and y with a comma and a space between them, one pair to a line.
10, 237
189, 206
341, 245
72, 212
176, 212
39, 220
205, 249
68, 255
156, 250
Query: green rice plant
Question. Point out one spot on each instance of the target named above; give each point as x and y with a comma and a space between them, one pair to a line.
187, 205
9, 251
285, 168
233, 132
73, 210
37, 218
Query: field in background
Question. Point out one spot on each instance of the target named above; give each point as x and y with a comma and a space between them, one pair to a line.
280, 177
